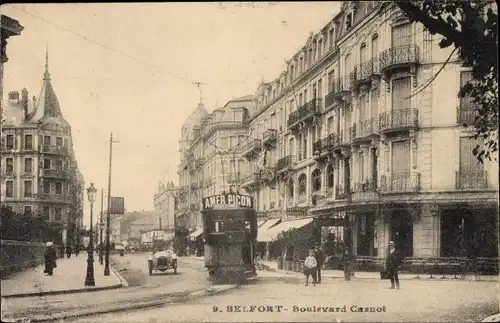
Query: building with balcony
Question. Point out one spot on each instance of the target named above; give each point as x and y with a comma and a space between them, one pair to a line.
367, 152
164, 206
39, 173
211, 158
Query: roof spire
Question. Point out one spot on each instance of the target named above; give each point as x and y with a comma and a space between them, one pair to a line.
46, 75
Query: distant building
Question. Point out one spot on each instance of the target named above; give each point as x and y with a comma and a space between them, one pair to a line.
164, 203
40, 174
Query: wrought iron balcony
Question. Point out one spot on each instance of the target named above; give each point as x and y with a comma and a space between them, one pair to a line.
369, 127
466, 115
54, 173
399, 56
305, 113
342, 192
53, 149
330, 142
251, 148
466, 179
329, 99
252, 179
341, 87
51, 197
398, 120
285, 163
269, 137
400, 183
364, 72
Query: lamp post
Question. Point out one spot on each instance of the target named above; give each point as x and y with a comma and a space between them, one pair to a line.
89, 279
108, 217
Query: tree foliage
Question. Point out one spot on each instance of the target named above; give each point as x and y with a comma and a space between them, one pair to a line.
470, 27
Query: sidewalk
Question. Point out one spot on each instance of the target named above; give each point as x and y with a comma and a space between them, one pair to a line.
332, 273
69, 277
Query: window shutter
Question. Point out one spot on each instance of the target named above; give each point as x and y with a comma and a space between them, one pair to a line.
400, 157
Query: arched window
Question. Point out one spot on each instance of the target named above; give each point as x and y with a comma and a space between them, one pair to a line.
329, 175
290, 188
316, 180
302, 184
363, 53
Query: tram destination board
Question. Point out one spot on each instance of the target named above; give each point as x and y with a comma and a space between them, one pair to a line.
227, 201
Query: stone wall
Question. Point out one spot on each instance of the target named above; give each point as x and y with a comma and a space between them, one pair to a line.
17, 256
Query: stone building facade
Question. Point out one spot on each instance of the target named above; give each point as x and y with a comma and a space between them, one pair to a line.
40, 174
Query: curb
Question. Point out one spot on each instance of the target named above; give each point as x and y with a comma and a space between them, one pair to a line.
167, 299
73, 291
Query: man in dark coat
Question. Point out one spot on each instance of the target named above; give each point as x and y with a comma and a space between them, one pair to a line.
394, 258
69, 250
320, 259
50, 256
347, 262
77, 249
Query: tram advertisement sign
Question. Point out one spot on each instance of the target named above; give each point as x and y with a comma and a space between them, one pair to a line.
228, 200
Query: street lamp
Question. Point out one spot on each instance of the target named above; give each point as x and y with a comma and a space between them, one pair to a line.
89, 279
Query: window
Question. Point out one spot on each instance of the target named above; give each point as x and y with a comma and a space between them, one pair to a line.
316, 180
401, 35
9, 165
28, 188
465, 77
320, 89
363, 53
348, 20
57, 214
330, 175
362, 108
290, 188
330, 37
9, 188
59, 142
27, 209
374, 106
46, 187
10, 142
347, 65
46, 163
375, 46
331, 75
66, 143
401, 91
302, 184
400, 157
46, 141
28, 142
361, 167
468, 162
28, 165
58, 188
329, 125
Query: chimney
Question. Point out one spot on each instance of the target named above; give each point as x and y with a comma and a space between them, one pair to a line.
24, 102
13, 97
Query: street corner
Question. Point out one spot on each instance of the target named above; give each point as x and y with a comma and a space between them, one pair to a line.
122, 281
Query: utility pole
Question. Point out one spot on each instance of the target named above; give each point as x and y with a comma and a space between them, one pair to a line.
106, 262
101, 225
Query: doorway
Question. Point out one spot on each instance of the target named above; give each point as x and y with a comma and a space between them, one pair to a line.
401, 231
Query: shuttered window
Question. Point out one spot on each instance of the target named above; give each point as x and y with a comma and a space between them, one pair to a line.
469, 162
401, 91
400, 158
401, 35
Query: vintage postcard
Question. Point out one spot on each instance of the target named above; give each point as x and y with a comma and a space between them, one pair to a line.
250, 162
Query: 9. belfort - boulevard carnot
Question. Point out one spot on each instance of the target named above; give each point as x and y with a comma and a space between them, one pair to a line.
250, 162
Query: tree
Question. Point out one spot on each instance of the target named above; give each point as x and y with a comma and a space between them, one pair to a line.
471, 27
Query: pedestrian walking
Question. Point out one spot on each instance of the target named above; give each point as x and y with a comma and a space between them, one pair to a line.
77, 249
347, 263
392, 263
61, 251
320, 258
310, 267
69, 251
50, 256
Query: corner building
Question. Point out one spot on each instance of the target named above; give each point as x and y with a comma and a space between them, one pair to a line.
361, 149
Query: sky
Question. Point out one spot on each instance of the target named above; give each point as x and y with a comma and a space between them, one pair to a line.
130, 69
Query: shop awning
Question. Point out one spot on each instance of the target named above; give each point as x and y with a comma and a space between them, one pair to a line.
195, 234
272, 233
268, 224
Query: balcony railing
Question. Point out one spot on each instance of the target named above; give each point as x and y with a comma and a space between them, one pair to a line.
369, 127
52, 149
285, 162
304, 112
477, 179
398, 56
251, 178
342, 192
51, 197
364, 71
54, 173
251, 147
365, 186
330, 99
269, 136
400, 119
466, 115
400, 183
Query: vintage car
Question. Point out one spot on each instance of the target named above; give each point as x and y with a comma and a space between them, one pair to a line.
162, 261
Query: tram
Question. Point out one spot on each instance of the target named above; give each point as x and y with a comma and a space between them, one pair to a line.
230, 233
